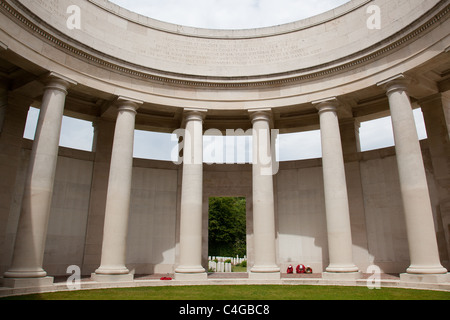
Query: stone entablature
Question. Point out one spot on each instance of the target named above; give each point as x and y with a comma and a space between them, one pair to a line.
119, 52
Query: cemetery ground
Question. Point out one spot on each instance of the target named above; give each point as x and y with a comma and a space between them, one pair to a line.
242, 293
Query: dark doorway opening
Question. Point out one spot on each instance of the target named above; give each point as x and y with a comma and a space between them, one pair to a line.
227, 230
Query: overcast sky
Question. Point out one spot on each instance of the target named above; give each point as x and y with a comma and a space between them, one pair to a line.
227, 14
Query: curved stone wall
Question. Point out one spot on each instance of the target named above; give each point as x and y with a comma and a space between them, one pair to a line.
122, 53
309, 44
329, 72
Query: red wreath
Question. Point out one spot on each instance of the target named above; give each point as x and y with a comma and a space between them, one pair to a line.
290, 269
301, 268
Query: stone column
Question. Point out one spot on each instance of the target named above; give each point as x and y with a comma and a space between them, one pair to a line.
11, 140
32, 228
336, 198
102, 147
436, 113
351, 148
413, 183
264, 242
112, 267
191, 227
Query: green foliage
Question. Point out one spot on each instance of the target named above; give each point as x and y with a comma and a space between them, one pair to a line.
227, 227
243, 264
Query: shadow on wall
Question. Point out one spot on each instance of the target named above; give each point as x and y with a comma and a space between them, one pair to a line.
300, 212
377, 218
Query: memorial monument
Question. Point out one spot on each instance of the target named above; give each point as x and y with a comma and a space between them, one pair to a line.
115, 216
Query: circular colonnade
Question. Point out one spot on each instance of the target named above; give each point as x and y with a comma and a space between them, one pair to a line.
96, 61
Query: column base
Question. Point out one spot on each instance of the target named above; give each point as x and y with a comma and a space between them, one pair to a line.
24, 274
337, 268
27, 282
425, 278
342, 275
191, 276
426, 270
112, 277
112, 271
265, 272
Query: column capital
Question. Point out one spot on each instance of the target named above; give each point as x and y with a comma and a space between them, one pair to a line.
59, 82
194, 114
128, 104
328, 104
396, 83
260, 114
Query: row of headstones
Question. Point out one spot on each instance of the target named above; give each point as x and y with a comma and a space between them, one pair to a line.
234, 261
218, 264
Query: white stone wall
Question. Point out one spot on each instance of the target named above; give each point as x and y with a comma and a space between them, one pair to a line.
386, 230
300, 213
302, 233
302, 236
152, 225
152, 56
68, 218
162, 46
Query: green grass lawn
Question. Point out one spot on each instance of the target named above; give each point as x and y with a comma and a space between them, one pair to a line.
240, 292
238, 268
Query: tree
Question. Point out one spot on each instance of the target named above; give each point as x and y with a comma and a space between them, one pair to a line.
227, 226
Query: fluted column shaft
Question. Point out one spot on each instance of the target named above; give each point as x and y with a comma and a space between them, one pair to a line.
190, 261
422, 241
36, 202
119, 191
336, 198
264, 244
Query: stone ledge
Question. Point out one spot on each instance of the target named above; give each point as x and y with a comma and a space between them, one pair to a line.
425, 278
342, 276
105, 278
191, 276
91, 285
264, 276
27, 282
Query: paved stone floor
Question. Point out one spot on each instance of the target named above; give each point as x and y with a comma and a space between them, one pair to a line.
243, 275
236, 275
387, 280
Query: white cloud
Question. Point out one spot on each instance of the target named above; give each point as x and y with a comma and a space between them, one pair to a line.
299, 146
75, 133
378, 133
229, 14
153, 145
